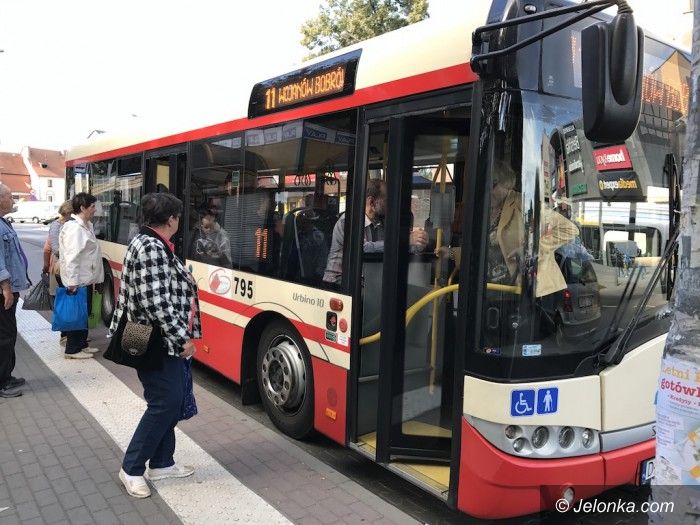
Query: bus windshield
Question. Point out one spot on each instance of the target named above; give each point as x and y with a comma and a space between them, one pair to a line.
575, 230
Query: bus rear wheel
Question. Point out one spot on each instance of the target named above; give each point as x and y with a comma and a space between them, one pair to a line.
285, 379
107, 296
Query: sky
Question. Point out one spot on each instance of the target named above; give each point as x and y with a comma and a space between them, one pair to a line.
73, 66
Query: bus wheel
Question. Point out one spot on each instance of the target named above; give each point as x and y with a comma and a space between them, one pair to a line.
107, 297
35, 220
285, 380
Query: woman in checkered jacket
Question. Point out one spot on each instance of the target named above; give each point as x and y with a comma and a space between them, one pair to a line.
156, 288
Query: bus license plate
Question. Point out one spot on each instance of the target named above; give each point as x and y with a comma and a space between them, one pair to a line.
646, 471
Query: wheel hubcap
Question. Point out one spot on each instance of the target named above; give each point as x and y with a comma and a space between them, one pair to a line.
284, 374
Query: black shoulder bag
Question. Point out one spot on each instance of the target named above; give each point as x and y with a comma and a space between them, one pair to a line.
128, 350
150, 360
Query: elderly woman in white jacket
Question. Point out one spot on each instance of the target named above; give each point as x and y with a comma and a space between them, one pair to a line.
81, 265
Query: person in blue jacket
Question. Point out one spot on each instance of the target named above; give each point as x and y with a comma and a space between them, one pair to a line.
13, 279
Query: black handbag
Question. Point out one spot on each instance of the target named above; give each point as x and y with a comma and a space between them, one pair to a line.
151, 359
136, 337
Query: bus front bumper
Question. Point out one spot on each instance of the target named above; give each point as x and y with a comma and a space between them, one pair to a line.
493, 484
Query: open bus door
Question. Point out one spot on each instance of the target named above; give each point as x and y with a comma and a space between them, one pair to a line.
405, 388
165, 172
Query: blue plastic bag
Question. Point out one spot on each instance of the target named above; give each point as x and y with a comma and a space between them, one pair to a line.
70, 311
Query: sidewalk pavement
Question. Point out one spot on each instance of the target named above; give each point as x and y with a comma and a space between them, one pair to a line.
61, 445
57, 463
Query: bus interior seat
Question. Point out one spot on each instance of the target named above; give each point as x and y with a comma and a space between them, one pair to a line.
289, 256
305, 244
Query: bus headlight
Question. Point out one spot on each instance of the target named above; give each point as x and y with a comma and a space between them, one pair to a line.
511, 431
519, 444
566, 437
540, 437
538, 441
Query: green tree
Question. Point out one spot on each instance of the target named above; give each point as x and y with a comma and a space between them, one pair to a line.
341, 23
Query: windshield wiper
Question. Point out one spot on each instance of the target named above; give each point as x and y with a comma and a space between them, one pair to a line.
616, 352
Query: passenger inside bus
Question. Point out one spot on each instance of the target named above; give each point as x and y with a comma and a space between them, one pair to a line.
373, 233
209, 242
506, 234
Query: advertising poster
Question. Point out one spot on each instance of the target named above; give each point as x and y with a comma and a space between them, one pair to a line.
678, 425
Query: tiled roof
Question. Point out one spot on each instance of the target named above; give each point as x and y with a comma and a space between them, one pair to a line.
17, 183
48, 163
12, 163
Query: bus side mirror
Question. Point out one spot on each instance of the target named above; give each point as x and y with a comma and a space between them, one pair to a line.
611, 70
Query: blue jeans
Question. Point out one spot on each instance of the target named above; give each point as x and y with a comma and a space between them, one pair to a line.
154, 438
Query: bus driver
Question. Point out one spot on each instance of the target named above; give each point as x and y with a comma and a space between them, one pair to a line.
375, 198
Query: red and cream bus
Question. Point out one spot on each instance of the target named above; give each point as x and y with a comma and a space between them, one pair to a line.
479, 366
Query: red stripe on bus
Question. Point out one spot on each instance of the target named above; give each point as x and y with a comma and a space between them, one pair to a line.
307, 331
229, 304
314, 333
433, 80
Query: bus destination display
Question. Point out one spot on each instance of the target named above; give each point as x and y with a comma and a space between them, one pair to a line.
328, 79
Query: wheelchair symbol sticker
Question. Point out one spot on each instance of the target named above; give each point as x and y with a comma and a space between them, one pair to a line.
522, 403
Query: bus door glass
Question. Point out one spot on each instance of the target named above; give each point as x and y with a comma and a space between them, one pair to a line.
165, 172
428, 155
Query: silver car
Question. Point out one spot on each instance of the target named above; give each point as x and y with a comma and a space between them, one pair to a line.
577, 307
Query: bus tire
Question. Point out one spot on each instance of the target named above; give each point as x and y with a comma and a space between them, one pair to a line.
108, 301
285, 379
35, 220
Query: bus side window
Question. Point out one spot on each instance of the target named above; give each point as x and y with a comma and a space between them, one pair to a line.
315, 230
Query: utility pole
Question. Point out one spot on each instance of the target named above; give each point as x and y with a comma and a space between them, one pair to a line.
677, 465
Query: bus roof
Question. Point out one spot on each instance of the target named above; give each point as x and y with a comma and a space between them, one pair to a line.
432, 45
391, 65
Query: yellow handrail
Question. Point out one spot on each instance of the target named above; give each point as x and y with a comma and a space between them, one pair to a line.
495, 287
413, 310
434, 294
436, 308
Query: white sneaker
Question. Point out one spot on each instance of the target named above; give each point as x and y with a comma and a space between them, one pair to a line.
135, 486
90, 349
174, 471
80, 355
